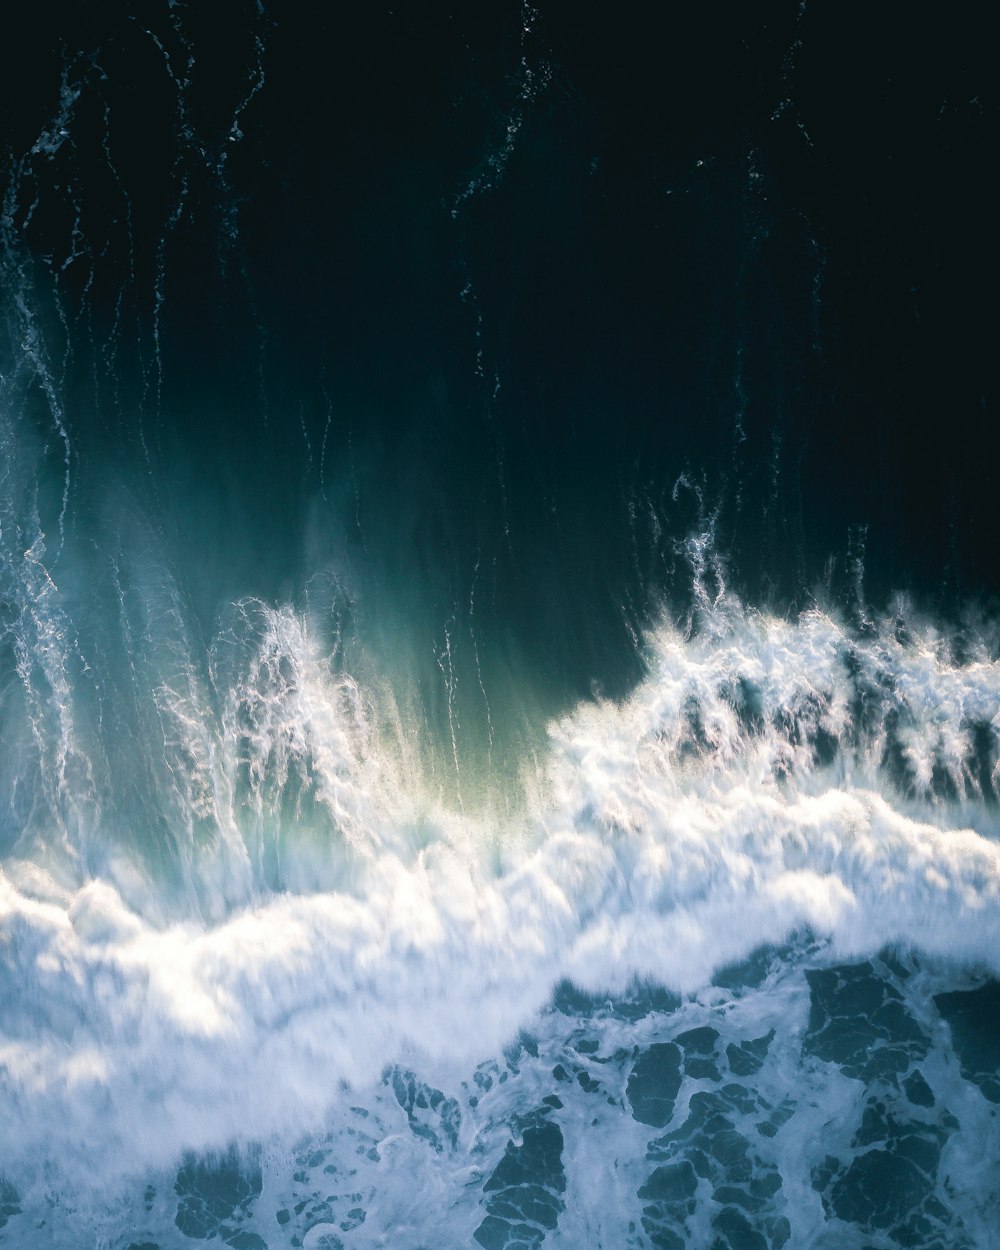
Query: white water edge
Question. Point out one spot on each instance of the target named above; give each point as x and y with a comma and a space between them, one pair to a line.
739, 796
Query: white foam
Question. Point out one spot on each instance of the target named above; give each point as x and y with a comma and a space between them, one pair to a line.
660, 852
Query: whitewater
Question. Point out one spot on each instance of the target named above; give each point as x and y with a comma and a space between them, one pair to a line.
339, 960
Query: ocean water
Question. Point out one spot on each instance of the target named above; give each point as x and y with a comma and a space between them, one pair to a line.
499, 650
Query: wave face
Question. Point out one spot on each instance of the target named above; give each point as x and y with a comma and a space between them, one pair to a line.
456, 787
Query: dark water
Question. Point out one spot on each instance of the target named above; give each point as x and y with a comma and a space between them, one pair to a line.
497, 541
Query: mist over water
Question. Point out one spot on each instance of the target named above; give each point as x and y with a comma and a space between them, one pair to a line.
499, 666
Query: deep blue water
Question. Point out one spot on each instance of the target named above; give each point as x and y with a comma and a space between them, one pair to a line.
499, 649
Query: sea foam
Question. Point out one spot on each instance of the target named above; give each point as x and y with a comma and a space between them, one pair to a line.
768, 778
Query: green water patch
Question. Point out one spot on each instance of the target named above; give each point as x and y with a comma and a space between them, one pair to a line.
9, 1202
429, 1113
216, 1196
973, 1017
524, 1193
654, 1083
640, 999
859, 1021
711, 1161
888, 1181
890, 1178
